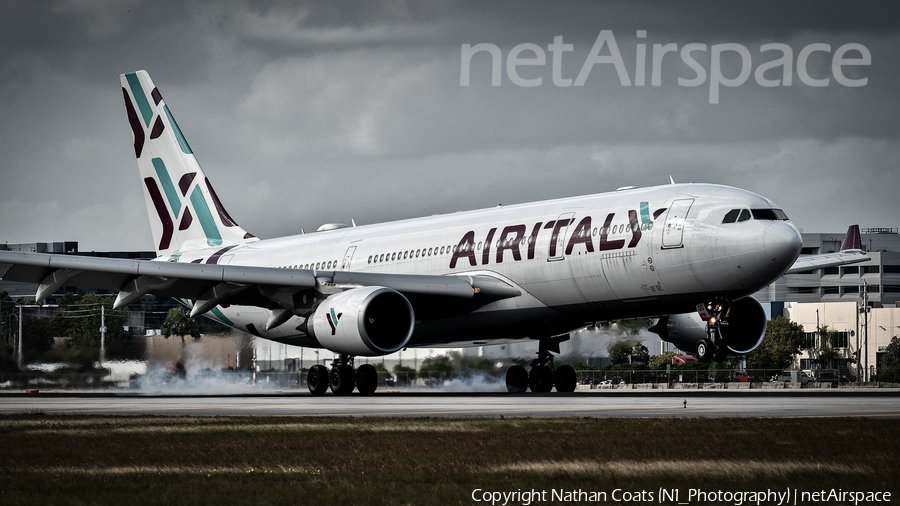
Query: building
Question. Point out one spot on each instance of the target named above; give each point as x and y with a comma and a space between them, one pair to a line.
848, 319
877, 279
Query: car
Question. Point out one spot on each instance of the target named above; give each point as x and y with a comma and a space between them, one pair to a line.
831, 377
785, 376
740, 376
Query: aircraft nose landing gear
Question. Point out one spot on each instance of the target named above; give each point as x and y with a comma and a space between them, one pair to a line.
715, 314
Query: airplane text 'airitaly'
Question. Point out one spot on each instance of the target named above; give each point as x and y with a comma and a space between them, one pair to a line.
512, 238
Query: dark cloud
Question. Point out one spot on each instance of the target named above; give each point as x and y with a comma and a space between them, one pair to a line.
326, 111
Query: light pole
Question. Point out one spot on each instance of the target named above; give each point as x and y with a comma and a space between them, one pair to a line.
865, 310
19, 361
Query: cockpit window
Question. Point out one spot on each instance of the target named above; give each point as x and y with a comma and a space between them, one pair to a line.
732, 215
763, 214
769, 214
745, 215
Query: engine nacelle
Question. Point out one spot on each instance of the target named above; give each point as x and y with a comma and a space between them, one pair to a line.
744, 332
368, 321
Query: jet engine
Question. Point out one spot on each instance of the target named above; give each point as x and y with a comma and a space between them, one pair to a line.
741, 333
368, 321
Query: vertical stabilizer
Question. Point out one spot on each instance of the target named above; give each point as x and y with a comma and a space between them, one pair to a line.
852, 240
185, 212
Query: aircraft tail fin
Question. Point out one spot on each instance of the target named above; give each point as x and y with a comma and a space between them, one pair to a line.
185, 212
852, 239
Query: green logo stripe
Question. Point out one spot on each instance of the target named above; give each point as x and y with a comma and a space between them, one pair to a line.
206, 219
178, 135
221, 316
645, 212
171, 193
138, 91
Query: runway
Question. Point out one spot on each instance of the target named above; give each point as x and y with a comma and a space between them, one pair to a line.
841, 403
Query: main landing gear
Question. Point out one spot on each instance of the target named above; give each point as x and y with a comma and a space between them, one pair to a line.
713, 346
342, 378
542, 377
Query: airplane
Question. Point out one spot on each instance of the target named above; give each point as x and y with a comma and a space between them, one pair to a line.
688, 254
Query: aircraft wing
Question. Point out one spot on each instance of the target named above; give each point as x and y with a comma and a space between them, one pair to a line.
210, 284
851, 252
811, 262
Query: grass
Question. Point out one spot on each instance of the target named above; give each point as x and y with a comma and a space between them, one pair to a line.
71, 460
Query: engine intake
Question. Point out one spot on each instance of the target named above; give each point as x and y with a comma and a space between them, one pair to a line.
368, 321
745, 330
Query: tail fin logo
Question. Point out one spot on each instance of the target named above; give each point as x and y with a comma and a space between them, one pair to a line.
333, 320
176, 187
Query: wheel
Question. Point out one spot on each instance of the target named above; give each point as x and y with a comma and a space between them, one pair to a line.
540, 379
516, 379
704, 350
317, 379
565, 379
721, 352
366, 379
342, 380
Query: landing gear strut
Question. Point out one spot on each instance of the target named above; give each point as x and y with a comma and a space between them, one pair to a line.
342, 378
715, 314
542, 377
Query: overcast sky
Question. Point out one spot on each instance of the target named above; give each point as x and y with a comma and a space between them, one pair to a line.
307, 113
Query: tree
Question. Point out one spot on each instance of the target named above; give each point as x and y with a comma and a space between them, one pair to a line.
827, 351
891, 355
178, 323
83, 328
782, 341
37, 336
437, 367
581, 366
889, 369
404, 374
829, 342
639, 353
658, 361
8, 316
619, 351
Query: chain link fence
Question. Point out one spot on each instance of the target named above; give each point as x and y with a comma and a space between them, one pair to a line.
469, 380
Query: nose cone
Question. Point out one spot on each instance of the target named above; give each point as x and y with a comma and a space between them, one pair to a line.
782, 242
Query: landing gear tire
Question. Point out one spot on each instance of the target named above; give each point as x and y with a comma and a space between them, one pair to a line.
317, 379
565, 379
516, 379
342, 379
540, 379
366, 379
721, 352
704, 350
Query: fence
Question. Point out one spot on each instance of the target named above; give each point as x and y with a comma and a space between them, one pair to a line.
466, 380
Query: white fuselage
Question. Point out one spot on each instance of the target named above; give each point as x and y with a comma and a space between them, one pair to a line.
630, 253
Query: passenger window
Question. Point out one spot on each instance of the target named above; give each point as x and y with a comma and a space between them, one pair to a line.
745, 215
732, 215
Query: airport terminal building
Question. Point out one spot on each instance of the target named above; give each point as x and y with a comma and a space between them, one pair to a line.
877, 279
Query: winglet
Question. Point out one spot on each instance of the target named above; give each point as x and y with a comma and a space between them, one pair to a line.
671, 180
852, 240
